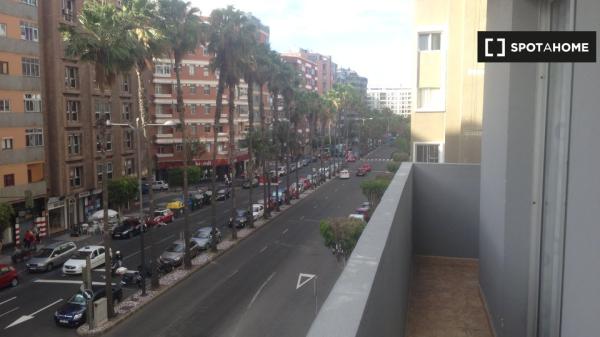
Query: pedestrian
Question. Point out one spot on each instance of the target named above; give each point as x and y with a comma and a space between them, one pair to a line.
36, 232
28, 239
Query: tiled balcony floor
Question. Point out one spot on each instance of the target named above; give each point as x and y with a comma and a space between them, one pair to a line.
444, 299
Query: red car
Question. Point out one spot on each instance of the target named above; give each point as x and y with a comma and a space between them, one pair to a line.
367, 167
8, 276
161, 216
361, 172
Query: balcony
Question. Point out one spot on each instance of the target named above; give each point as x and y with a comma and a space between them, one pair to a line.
414, 271
16, 193
22, 155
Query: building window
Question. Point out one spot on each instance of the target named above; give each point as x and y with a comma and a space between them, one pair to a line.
193, 108
207, 89
2, 29
126, 111
207, 128
29, 31
34, 137
7, 143
125, 83
30, 2
128, 139
192, 69
3, 68
9, 180
108, 143
429, 41
74, 144
205, 71
75, 174
205, 51
102, 108
72, 109
427, 153
219, 128
430, 99
31, 66
68, 10
178, 147
4, 105
192, 88
128, 168
162, 69
109, 171
33, 102
206, 109
71, 77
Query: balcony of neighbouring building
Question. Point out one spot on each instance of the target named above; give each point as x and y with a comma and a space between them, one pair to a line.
414, 271
22, 155
16, 193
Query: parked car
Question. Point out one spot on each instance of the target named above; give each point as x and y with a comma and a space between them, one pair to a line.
176, 206
160, 185
281, 171
145, 188
128, 228
75, 264
367, 167
344, 174
247, 183
223, 192
241, 218
258, 210
73, 313
361, 172
364, 210
162, 216
203, 237
54, 254
357, 216
305, 182
174, 253
8, 276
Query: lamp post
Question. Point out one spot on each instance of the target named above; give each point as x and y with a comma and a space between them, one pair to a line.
138, 129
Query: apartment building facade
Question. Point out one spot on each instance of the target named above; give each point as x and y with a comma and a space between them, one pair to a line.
22, 131
73, 105
399, 100
307, 69
326, 70
446, 123
351, 77
199, 86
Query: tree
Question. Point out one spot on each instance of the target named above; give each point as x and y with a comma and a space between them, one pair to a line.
175, 176
341, 234
122, 190
181, 26
7, 214
374, 189
392, 167
103, 38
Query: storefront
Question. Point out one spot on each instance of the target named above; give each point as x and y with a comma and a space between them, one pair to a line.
57, 214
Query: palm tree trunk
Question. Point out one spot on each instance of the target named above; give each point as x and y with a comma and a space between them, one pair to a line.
110, 312
261, 110
250, 94
231, 149
186, 209
276, 127
213, 203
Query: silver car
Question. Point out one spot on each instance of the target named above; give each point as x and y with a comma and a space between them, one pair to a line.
51, 256
203, 237
173, 255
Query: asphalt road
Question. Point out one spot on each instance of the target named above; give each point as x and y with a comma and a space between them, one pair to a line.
249, 291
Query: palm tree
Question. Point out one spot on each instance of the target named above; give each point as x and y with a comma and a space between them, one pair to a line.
103, 39
261, 77
288, 81
181, 26
275, 85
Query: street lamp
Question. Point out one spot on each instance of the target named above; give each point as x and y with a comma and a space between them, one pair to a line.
138, 128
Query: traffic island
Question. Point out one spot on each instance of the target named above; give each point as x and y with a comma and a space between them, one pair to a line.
135, 302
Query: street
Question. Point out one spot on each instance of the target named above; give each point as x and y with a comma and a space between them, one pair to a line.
249, 291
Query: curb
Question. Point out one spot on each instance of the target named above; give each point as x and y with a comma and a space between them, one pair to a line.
118, 319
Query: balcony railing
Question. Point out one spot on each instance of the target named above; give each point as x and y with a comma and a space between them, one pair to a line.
429, 210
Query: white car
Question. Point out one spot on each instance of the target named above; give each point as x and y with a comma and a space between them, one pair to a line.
344, 174
357, 216
75, 265
258, 210
160, 185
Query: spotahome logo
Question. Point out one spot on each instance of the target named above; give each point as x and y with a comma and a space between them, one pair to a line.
536, 46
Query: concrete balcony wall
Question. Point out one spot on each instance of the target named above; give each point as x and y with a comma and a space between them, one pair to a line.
446, 210
16, 120
24, 155
14, 193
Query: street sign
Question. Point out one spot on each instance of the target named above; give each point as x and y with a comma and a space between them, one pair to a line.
304, 279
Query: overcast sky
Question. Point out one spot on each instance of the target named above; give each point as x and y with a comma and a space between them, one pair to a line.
371, 37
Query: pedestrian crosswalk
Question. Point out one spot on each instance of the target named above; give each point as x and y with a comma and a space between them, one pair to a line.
376, 159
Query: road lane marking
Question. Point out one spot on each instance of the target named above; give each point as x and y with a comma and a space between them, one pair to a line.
232, 274
68, 282
285, 231
262, 249
25, 318
260, 289
8, 300
8, 312
302, 217
165, 238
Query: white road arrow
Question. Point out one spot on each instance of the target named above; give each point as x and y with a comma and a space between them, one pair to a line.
25, 318
304, 279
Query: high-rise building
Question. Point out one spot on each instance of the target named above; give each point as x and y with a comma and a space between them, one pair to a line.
399, 100
307, 69
199, 97
351, 77
73, 104
446, 123
326, 69
22, 131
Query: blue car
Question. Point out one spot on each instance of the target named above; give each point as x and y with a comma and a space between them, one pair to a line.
74, 312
